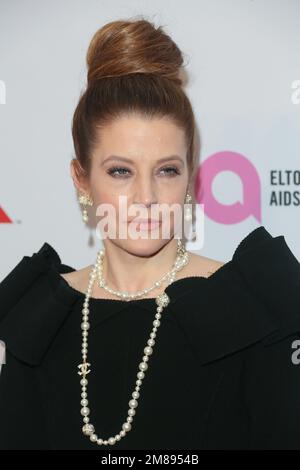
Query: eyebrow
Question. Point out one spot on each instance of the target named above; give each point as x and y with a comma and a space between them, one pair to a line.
128, 160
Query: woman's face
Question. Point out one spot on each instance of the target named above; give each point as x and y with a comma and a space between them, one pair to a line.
128, 162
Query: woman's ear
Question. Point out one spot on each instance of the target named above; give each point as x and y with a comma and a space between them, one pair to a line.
79, 177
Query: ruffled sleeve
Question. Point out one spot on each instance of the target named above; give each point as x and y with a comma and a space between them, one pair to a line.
271, 272
34, 304
254, 297
248, 312
271, 380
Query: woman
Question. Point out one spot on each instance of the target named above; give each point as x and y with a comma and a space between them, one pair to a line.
109, 355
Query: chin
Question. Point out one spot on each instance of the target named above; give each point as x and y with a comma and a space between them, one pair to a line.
144, 247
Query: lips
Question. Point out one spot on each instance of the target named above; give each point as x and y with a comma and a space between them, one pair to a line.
146, 224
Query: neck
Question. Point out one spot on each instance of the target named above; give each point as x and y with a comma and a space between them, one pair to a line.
124, 271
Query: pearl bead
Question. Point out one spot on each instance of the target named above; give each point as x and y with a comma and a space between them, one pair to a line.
85, 411
133, 403
126, 426
143, 366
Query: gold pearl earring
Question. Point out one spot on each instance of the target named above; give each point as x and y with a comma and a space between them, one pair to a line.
188, 210
85, 200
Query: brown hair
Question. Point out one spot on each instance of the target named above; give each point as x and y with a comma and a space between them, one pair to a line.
132, 67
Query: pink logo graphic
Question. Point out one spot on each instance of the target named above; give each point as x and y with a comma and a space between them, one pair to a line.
244, 168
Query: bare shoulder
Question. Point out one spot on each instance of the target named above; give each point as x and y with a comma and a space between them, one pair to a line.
198, 266
78, 279
202, 265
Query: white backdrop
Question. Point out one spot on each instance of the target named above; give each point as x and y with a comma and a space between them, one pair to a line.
244, 84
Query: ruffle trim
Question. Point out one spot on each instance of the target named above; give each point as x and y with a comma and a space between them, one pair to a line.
253, 297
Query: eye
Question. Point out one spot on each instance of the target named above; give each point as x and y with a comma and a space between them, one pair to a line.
171, 170
121, 171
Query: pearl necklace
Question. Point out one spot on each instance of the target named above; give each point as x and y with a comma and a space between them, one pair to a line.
162, 300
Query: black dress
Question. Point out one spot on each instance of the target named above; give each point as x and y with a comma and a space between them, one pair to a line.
221, 375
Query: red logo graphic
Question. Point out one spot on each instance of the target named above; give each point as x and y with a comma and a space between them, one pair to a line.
4, 219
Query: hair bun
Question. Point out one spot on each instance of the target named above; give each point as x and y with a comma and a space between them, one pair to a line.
127, 47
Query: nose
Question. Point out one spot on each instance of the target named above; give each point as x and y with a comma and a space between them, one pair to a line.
145, 194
